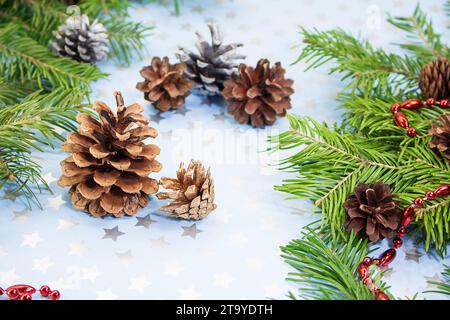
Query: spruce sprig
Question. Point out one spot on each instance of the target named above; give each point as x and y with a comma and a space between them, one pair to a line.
326, 270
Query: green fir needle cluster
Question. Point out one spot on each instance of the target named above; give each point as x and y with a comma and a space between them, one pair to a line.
41, 93
329, 162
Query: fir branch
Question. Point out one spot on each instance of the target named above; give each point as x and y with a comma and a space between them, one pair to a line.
126, 38
108, 8
366, 68
28, 126
427, 44
442, 287
326, 270
24, 59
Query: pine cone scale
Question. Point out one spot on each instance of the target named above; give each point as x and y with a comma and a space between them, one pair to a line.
434, 80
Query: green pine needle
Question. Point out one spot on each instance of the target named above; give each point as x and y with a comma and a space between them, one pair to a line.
442, 287
327, 271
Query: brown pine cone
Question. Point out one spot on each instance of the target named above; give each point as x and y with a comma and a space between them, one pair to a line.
165, 85
109, 166
192, 192
441, 135
258, 95
434, 79
372, 212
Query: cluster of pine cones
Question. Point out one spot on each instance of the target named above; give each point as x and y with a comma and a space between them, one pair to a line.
255, 96
109, 167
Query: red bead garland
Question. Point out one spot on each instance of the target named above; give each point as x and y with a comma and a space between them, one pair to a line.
402, 121
389, 255
25, 292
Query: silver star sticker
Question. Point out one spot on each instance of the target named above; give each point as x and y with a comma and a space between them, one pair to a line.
21, 215
113, 233
11, 195
156, 117
191, 231
413, 254
144, 221
220, 117
434, 278
182, 111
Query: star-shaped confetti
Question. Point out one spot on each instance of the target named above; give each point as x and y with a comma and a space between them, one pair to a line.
107, 294
220, 117
55, 202
31, 239
77, 249
9, 276
156, 117
139, 283
173, 269
113, 233
222, 280
413, 254
21, 215
42, 264
191, 231
49, 178
144, 221
189, 294
125, 257
11, 195
159, 243
66, 224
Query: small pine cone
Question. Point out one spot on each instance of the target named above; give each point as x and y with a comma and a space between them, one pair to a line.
440, 132
80, 40
372, 212
165, 85
257, 96
192, 192
110, 164
215, 62
434, 79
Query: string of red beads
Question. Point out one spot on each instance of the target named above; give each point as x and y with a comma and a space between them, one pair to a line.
25, 292
389, 255
402, 121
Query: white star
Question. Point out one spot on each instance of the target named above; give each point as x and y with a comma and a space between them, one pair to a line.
8, 276
90, 274
42, 264
77, 249
139, 283
189, 294
56, 202
65, 224
173, 269
106, 295
238, 239
223, 279
3, 252
49, 178
274, 291
31, 239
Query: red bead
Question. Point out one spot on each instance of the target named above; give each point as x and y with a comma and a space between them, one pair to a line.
444, 103
367, 261
431, 101
412, 104
387, 257
45, 291
26, 297
443, 190
397, 242
395, 107
1, 291
376, 261
411, 132
430, 195
363, 270
418, 202
55, 295
13, 293
380, 295
401, 231
401, 120
408, 215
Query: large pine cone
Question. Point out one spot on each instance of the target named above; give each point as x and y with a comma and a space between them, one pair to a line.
80, 40
192, 192
441, 135
165, 85
214, 63
434, 79
372, 212
257, 96
109, 166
